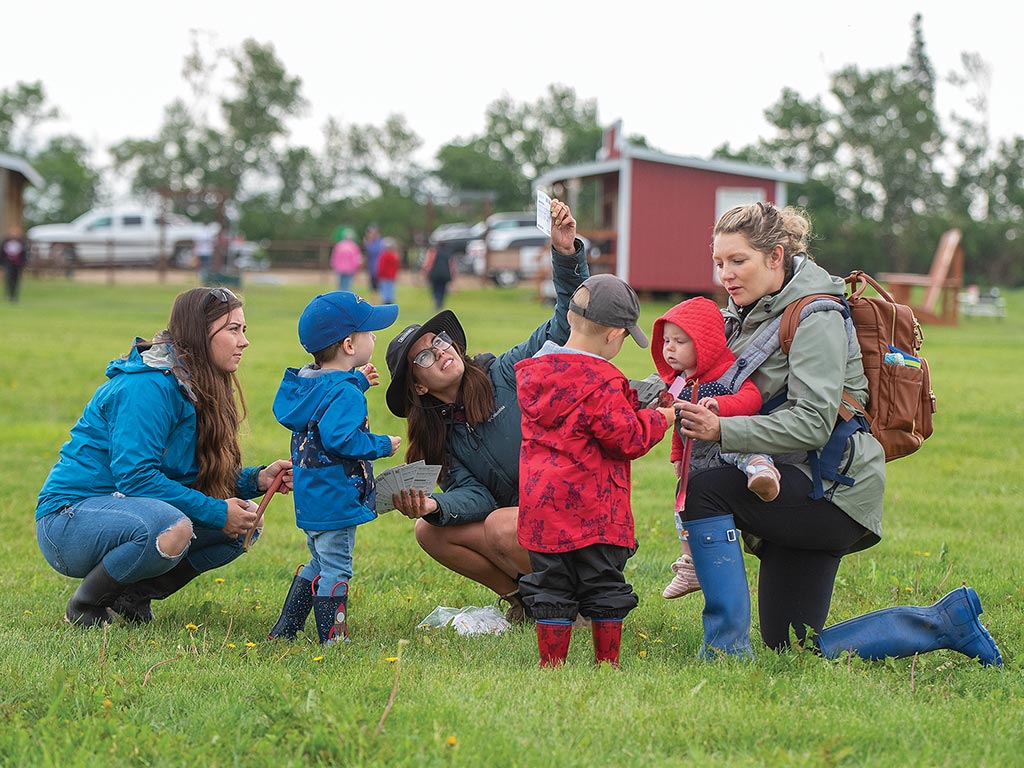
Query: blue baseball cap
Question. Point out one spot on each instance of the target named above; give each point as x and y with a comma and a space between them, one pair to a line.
330, 317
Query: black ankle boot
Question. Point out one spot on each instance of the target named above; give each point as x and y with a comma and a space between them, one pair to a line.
133, 605
297, 605
90, 605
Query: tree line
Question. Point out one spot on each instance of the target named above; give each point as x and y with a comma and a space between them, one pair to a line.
885, 174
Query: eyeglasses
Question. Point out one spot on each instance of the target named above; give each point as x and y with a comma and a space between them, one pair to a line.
223, 294
427, 357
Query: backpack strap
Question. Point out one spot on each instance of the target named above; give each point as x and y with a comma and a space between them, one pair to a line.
824, 464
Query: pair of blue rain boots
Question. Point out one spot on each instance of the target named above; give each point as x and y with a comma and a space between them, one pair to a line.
952, 623
330, 612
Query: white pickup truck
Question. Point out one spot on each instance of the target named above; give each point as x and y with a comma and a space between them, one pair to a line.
129, 235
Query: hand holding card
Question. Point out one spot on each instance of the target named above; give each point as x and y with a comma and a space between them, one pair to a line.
563, 228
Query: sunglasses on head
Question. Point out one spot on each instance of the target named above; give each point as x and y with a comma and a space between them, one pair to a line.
223, 294
427, 357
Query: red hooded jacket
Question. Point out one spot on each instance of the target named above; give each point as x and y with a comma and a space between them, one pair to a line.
582, 425
701, 320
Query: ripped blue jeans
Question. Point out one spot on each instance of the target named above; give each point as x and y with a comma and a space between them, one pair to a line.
122, 532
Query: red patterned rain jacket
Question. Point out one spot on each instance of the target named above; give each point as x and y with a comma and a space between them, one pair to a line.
582, 425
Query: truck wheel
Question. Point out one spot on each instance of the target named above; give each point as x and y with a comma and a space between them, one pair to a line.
506, 278
63, 256
181, 256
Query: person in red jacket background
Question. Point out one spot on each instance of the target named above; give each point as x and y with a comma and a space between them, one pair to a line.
387, 271
582, 425
689, 343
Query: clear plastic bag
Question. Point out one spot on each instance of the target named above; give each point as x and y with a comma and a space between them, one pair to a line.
471, 620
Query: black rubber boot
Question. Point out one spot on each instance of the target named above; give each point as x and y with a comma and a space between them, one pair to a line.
134, 604
332, 616
90, 605
297, 605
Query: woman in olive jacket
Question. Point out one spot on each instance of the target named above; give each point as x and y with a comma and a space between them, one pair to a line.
760, 256
464, 416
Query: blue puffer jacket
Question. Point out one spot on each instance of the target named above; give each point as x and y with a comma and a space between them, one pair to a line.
137, 436
332, 446
483, 471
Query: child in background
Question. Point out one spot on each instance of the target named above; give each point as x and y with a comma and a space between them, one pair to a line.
689, 341
332, 453
387, 270
582, 425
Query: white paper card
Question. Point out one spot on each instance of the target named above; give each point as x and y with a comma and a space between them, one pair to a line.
543, 212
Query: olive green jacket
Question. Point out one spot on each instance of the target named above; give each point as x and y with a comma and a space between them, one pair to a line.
819, 366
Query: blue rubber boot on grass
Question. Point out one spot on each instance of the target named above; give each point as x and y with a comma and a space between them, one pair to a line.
718, 561
952, 623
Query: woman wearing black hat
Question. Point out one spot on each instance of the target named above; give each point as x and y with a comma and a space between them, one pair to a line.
463, 415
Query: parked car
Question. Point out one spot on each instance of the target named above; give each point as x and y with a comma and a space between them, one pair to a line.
512, 249
124, 235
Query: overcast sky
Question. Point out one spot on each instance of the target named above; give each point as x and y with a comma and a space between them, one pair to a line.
688, 76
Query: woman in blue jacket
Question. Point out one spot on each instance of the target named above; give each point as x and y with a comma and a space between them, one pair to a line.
149, 490
464, 416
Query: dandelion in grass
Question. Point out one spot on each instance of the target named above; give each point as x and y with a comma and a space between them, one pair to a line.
642, 654
250, 645
318, 658
218, 580
452, 741
257, 607
232, 645
107, 703
191, 627
390, 659
27, 612
908, 589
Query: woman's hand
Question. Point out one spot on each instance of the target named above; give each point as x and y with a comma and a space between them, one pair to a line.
413, 504
241, 517
678, 466
563, 228
698, 422
268, 473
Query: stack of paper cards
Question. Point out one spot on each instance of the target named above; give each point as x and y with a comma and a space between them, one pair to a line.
418, 476
543, 212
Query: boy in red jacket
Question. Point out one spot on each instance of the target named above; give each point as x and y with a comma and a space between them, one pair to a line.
689, 342
582, 425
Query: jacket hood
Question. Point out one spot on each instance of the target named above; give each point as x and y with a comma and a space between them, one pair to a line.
305, 391
155, 356
701, 320
546, 406
158, 357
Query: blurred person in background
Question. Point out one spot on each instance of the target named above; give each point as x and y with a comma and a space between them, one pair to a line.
373, 244
14, 254
439, 271
387, 270
346, 258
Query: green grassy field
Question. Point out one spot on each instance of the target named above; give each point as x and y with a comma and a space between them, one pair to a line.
202, 686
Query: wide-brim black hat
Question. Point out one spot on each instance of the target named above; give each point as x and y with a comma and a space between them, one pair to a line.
397, 356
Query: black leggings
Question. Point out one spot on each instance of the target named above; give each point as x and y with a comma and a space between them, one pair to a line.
802, 542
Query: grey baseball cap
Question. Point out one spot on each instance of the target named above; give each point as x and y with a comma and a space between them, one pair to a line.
613, 303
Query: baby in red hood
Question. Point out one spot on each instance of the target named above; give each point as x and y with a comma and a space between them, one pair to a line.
688, 341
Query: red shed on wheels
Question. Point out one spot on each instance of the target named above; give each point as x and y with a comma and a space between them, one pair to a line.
651, 214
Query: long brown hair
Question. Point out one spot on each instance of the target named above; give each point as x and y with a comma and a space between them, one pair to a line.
196, 316
429, 418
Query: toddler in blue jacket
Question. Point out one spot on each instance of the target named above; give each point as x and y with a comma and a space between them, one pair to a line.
324, 406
